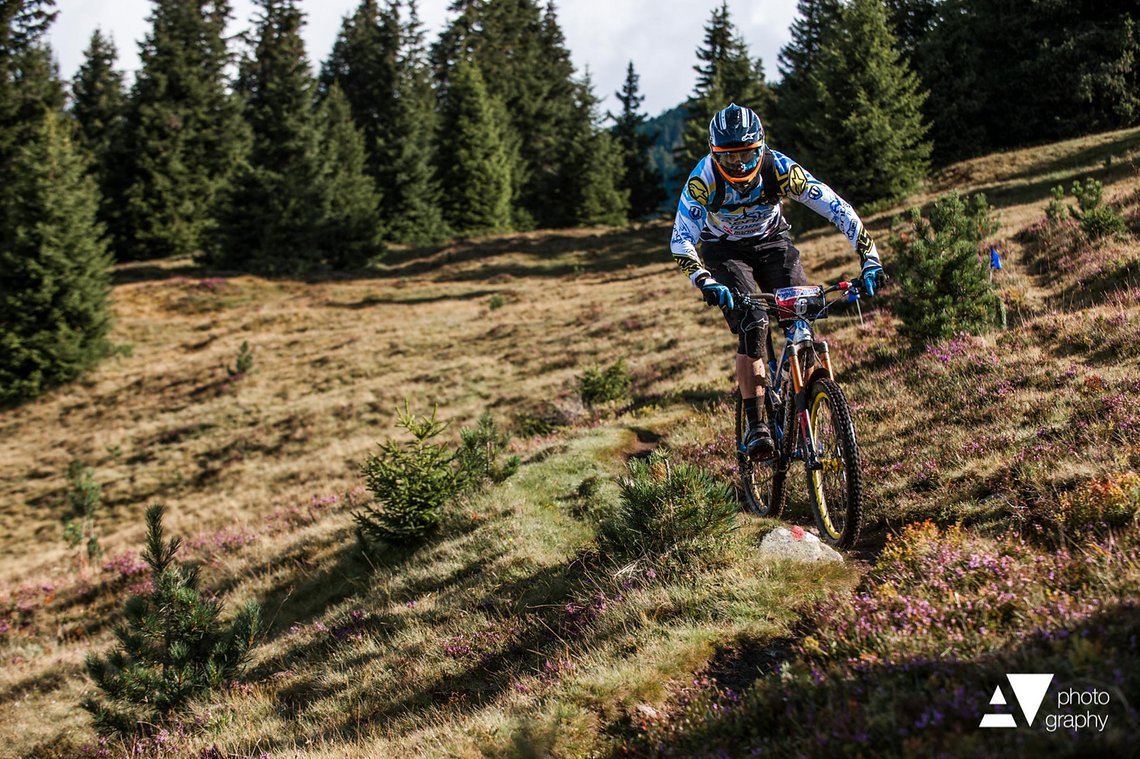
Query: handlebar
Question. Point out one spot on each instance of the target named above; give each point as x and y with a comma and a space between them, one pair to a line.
853, 288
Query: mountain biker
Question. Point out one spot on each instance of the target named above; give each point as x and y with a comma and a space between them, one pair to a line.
730, 205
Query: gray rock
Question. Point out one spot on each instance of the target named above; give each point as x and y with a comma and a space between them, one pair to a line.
780, 543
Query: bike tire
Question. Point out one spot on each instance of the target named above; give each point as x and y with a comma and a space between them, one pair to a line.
836, 490
763, 484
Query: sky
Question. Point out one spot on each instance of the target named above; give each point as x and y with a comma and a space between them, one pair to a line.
660, 36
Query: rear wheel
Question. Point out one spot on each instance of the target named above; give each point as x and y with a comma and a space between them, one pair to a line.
836, 488
763, 484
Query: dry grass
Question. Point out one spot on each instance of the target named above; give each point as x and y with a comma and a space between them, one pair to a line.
248, 468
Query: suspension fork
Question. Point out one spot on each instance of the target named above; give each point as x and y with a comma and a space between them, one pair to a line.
811, 458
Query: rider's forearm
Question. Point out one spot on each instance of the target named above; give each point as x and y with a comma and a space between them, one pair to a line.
828, 204
797, 183
685, 254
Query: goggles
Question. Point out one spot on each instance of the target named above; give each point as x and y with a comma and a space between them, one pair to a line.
737, 162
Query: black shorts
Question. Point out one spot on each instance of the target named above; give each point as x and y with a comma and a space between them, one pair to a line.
748, 267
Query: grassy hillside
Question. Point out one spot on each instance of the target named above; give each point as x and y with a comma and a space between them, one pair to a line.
1002, 477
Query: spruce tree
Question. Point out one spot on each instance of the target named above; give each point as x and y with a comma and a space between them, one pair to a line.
22, 24
474, 169
728, 75
173, 647
593, 193
271, 218
796, 107
54, 266
417, 216
639, 178
380, 61
99, 107
183, 132
521, 53
364, 63
869, 134
352, 234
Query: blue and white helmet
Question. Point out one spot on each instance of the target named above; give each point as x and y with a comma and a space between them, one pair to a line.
736, 142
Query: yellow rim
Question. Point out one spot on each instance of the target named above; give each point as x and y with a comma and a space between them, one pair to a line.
832, 464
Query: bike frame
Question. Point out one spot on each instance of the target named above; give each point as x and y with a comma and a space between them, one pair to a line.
799, 334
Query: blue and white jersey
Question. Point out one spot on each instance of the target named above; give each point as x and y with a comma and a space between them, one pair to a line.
749, 217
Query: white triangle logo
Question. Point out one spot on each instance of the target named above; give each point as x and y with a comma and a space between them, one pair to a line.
1029, 690
998, 697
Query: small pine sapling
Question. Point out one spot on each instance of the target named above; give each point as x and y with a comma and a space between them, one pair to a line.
244, 362
1097, 220
411, 482
479, 452
84, 497
939, 265
597, 385
172, 646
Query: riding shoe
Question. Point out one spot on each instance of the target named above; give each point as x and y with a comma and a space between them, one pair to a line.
758, 444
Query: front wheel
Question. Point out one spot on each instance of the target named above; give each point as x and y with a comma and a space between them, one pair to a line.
763, 484
836, 486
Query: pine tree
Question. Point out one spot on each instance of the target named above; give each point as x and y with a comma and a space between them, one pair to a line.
183, 131
728, 75
36, 90
593, 194
352, 234
22, 24
869, 132
1036, 71
640, 178
54, 266
172, 646
556, 120
522, 56
99, 108
796, 108
418, 217
271, 218
475, 169
364, 63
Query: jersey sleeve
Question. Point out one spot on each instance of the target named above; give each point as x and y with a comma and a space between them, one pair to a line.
801, 186
692, 210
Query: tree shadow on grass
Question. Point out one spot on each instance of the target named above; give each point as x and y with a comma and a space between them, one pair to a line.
542, 254
529, 633
1082, 159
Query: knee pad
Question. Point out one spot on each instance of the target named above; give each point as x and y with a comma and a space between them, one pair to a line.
751, 332
750, 342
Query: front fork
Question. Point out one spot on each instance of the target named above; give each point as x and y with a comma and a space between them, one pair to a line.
811, 455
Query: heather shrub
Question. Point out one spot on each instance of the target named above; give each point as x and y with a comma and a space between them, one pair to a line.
480, 451
597, 385
1094, 506
672, 513
944, 283
411, 483
911, 659
172, 646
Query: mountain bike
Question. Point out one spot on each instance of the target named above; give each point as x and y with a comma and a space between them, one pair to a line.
808, 415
